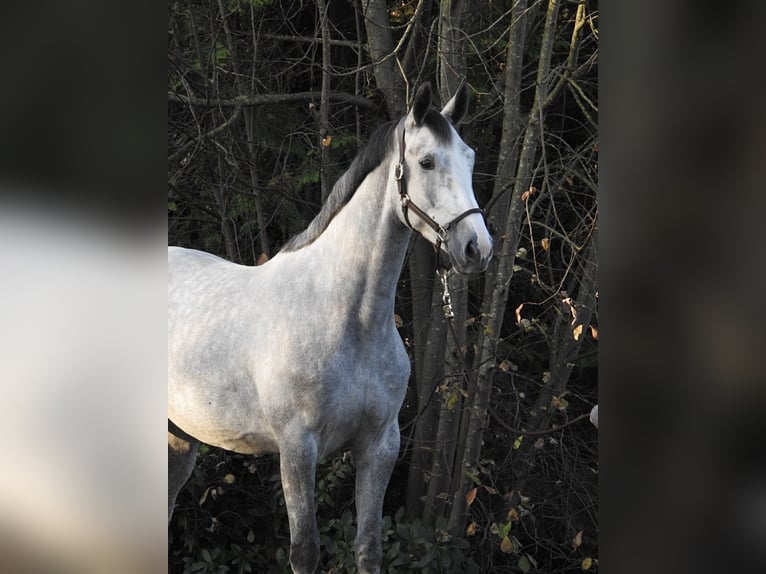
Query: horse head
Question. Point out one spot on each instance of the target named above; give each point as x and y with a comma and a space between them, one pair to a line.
434, 176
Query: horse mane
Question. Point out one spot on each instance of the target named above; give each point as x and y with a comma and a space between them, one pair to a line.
371, 156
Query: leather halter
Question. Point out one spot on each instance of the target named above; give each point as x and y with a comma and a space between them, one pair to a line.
442, 232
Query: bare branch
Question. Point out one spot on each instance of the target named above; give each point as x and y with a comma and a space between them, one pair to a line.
272, 99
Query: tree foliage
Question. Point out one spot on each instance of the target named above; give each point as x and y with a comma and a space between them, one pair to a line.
268, 103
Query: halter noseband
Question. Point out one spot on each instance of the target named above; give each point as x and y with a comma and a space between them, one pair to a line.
442, 232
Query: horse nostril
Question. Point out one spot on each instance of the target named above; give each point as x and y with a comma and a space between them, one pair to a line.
471, 250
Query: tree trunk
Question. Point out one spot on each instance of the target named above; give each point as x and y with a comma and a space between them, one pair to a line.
498, 281
381, 45
432, 372
450, 400
429, 458
451, 48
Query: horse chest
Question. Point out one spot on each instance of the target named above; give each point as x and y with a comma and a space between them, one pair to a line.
357, 394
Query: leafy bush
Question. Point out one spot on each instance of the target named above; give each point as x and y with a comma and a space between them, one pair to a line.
231, 518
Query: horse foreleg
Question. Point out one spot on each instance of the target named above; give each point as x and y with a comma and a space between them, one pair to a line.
374, 463
297, 464
182, 454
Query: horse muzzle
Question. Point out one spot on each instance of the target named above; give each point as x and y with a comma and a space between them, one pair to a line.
469, 250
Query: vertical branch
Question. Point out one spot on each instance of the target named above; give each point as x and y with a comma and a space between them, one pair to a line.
227, 232
564, 348
250, 133
358, 71
260, 219
324, 104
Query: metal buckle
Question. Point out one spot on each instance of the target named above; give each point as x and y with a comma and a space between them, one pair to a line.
399, 172
441, 233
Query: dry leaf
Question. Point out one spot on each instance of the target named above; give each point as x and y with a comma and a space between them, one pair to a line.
505, 366
545, 243
250, 537
398, 321
262, 258
577, 540
518, 313
586, 563
529, 193
572, 309
229, 479
513, 515
471, 496
472, 528
490, 489
577, 332
326, 141
506, 545
594, 332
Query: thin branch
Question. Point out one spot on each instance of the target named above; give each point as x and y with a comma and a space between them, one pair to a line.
520, 432
310, 40
272, 99
216, 130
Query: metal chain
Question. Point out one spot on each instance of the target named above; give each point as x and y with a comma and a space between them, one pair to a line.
446, 298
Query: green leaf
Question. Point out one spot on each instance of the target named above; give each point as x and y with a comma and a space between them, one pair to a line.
504, 529
524, 564
221, 52
474, 476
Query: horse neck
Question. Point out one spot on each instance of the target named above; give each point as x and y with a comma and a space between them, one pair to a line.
364, 246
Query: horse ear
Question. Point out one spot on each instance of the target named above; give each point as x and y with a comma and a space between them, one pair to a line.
422, 103
456, 108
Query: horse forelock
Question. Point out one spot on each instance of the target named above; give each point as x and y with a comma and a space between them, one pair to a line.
438, 125
372, 155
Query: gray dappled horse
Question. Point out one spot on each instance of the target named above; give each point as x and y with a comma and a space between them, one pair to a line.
300, 355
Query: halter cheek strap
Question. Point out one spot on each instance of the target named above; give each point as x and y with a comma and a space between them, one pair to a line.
442, 232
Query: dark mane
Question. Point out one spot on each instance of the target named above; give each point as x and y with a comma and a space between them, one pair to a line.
371, 156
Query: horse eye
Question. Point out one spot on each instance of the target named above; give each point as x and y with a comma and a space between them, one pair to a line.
427, 163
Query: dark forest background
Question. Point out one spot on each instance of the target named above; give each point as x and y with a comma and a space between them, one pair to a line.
268, 103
